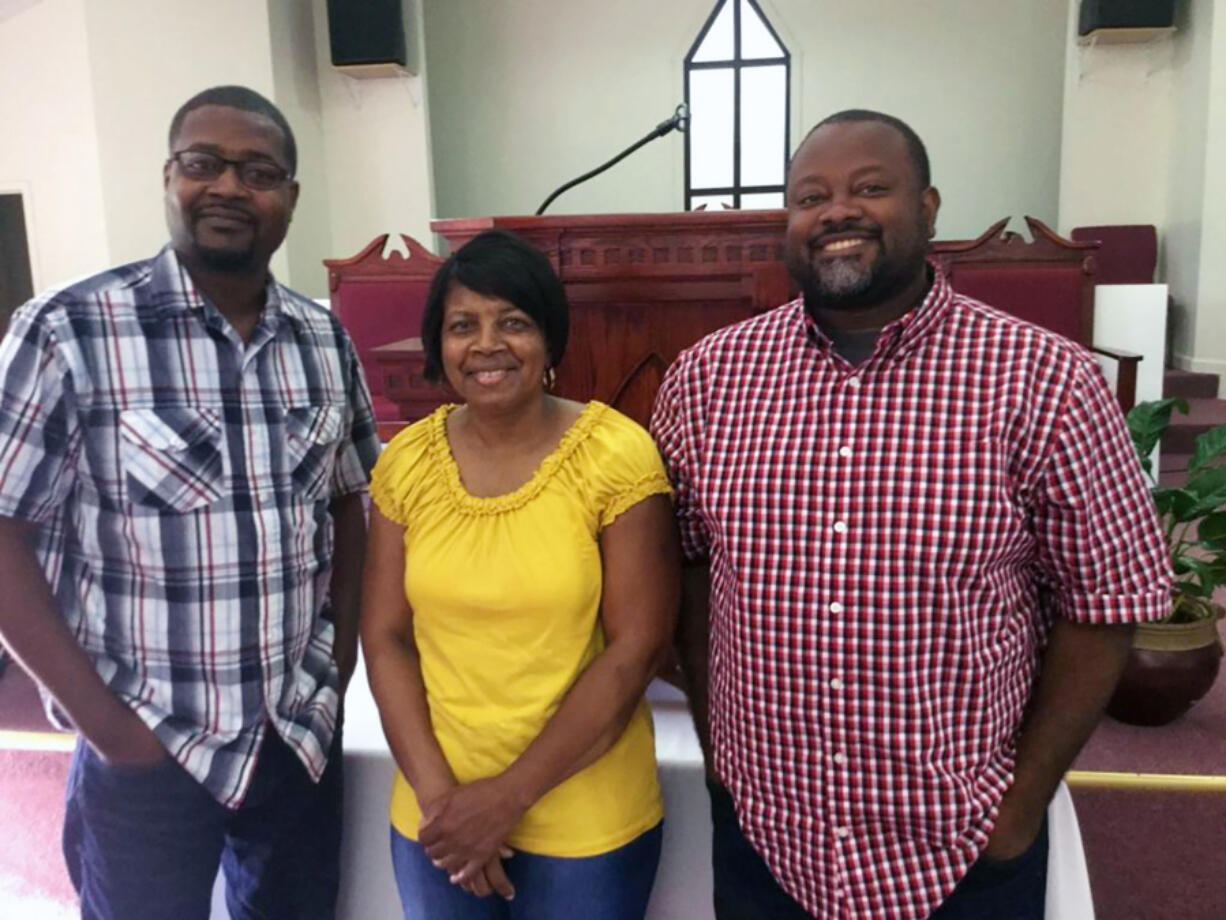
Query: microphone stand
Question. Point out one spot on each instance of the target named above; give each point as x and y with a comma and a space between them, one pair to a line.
678, 122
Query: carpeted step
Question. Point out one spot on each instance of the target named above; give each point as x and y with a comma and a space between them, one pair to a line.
1189, 384
33, 880
1203, 414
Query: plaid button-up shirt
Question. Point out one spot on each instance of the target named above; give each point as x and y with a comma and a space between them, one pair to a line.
888, 545
181, 479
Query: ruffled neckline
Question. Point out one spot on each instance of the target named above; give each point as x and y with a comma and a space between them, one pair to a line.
440, 449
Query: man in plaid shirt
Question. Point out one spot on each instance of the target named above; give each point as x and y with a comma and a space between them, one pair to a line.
919, 538
184, 444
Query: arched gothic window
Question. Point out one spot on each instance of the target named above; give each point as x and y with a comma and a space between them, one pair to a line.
737, 85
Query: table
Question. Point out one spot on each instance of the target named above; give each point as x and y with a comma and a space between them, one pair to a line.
683, 885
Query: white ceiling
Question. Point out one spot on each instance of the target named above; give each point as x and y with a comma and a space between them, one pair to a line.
10, 8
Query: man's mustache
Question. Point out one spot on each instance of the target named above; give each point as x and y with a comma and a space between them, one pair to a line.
846, 229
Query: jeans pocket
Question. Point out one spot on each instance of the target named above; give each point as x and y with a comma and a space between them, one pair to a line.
999, 871
98, 763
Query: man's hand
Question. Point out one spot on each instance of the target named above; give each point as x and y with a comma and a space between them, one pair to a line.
463, 829
345, 588
1080, 667
1017, 827
127, 741
346, 662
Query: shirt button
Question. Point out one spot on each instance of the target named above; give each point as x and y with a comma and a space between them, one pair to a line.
840, 758
844, 451
842, 833
853, 382
836, 684
836, 607
840, 527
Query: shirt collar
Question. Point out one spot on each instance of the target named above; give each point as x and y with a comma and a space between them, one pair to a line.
173, 292
901, 335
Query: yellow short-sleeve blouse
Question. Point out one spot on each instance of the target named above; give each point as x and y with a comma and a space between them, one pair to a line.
506, 594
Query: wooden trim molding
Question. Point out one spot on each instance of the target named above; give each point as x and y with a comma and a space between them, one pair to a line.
1154, 782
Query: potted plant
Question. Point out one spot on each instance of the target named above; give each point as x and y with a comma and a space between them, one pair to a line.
1174, 661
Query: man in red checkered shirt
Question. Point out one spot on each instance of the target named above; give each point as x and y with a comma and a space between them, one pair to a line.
919, 540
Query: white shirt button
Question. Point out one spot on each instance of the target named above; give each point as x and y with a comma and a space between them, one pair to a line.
842, 833
840, 527
844, 451
840, 758
853, 382
836, 607
836, 684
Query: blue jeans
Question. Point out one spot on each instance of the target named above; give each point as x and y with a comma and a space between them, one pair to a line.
611, 886
745, 889
1012, 889
146, 842
744, 886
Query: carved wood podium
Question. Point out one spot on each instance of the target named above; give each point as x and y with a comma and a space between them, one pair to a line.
642, 287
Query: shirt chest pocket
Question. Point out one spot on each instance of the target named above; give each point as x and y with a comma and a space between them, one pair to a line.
312, 435
171, 457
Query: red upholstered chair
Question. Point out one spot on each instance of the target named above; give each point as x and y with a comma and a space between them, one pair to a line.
1048, 281
1127, 253
380, 301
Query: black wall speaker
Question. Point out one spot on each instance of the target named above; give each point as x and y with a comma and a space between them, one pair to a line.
364, 32
1125, 14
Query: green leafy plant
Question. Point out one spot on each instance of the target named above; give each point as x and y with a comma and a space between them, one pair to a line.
1193, 513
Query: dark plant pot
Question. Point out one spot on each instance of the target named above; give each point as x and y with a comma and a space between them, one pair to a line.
1170, 667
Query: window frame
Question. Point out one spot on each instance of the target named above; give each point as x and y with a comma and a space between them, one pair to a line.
737, 64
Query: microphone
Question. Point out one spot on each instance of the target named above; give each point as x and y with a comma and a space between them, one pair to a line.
678, 121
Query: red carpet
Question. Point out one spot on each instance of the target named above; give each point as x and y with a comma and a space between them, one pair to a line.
1152, 855
33, 882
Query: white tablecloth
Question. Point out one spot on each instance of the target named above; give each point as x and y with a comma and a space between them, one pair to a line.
683, 886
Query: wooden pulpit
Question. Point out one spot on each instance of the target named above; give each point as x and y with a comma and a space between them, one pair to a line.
642, 287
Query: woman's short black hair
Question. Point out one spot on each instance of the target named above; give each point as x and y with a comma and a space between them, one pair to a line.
499, 264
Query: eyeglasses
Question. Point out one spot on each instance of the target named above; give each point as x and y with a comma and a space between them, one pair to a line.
257, 175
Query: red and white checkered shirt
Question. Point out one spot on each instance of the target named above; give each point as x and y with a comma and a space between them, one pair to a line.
881, 541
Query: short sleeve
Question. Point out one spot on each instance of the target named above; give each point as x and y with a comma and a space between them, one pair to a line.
677, 426
399, 468
624, 467
38, 427
359, 448
1100, 544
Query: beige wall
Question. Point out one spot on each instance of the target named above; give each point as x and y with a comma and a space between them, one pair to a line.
377, 149
1207, 349
49, 152
92, 122
147, 57
1145, 142
1186, 183
526, 95
295, 72
1119, 109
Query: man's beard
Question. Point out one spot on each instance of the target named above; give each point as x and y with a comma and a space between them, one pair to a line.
843, 278
226, 260
848, 284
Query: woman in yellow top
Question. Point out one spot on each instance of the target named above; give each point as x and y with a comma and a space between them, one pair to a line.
521, 588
